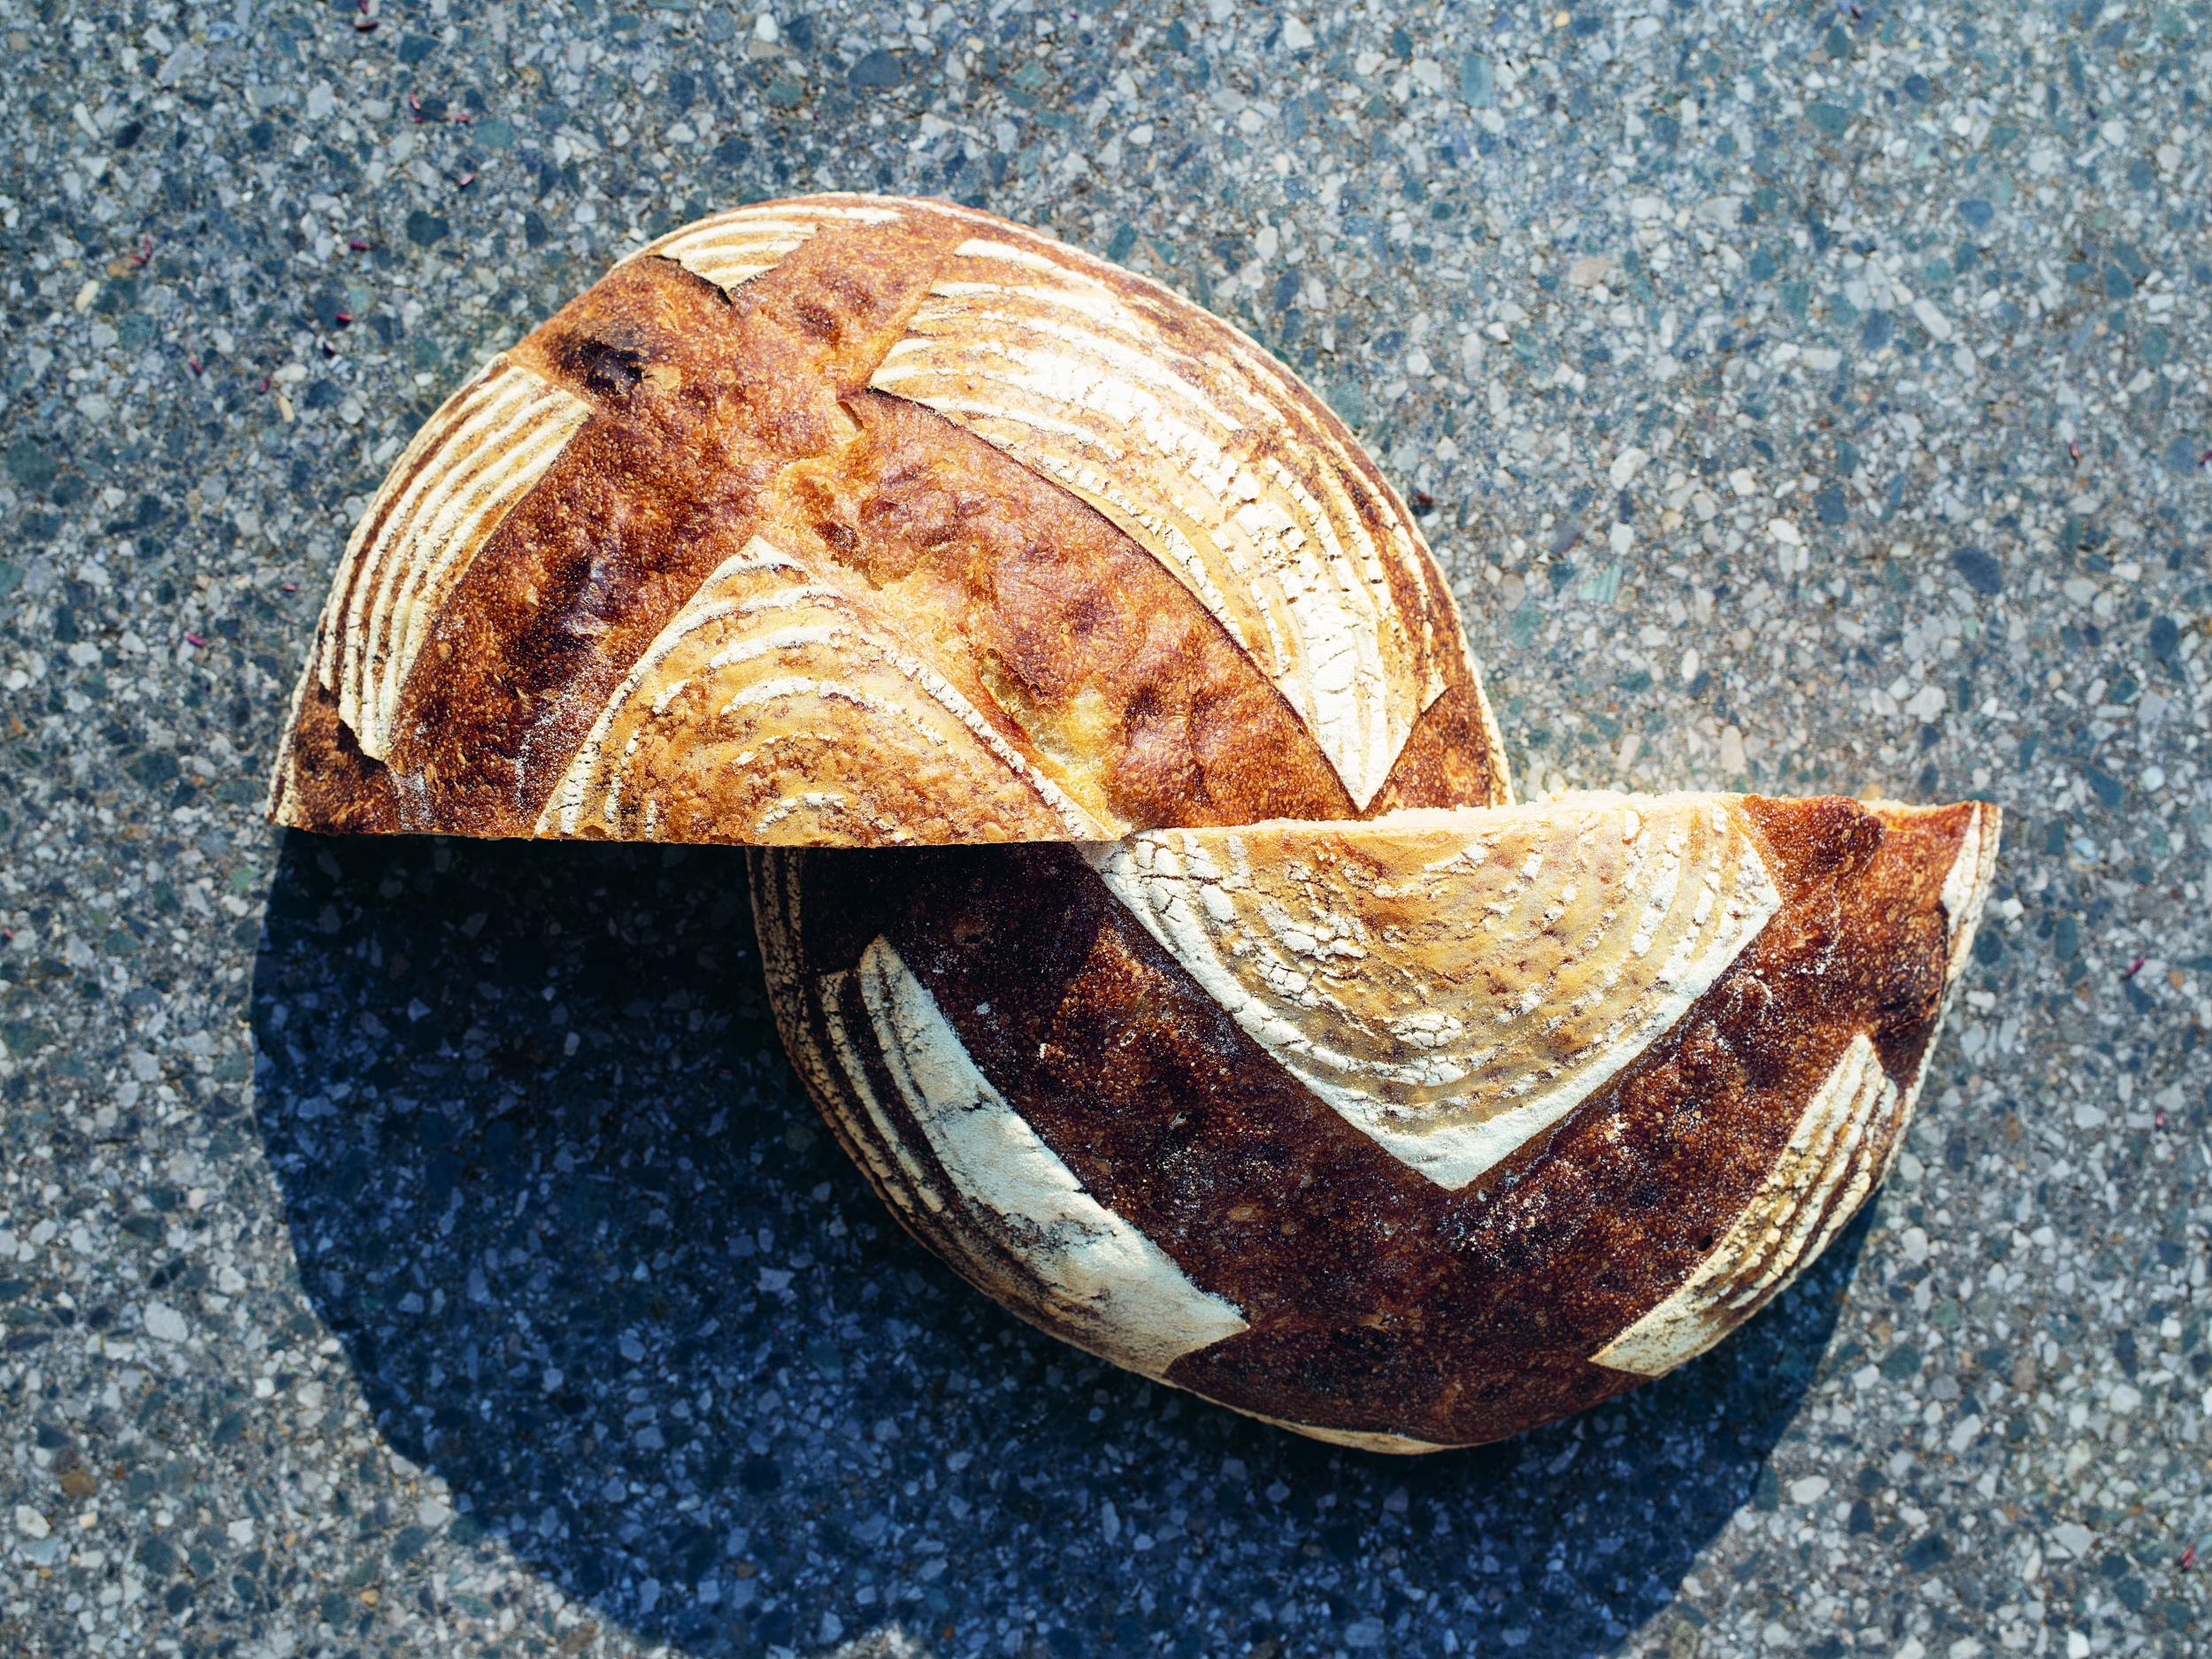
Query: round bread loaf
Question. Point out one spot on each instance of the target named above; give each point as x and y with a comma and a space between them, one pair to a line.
1405, 1134
1291, 1065
854, 521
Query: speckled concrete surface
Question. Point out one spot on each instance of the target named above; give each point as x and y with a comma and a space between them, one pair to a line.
422, 1249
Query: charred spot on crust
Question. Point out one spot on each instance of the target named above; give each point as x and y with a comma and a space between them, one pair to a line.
541, 651
604, 367
817, 321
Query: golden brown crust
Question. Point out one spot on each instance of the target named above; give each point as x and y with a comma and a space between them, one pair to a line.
715, 390
1214, 458
1099, 656
706, 399
848, 522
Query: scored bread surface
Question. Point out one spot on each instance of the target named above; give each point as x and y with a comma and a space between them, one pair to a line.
1369, 964
1315, 1077
1471, 1118
854, 521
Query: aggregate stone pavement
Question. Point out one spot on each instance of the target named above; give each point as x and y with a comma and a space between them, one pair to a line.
422, 1248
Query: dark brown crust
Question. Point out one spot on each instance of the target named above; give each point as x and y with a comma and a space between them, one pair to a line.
715, 418
1379, 1302
323, 778
1448, 759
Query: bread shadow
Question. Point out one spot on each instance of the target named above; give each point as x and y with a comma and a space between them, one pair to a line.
595, 1262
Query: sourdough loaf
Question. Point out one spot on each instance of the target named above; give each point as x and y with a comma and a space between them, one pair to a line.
856, 521
1407, 1133
1284, 1061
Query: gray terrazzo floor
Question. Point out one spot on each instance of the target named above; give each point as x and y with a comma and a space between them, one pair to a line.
420, 1248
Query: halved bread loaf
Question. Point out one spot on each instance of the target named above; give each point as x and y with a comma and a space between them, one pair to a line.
1409, 1132
855, 521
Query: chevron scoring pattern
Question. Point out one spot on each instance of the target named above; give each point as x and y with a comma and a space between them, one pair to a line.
1454, 985
1341, 1091
750, 703
1428, 1127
